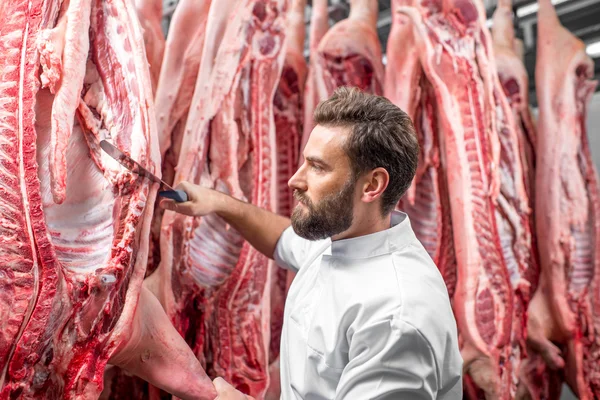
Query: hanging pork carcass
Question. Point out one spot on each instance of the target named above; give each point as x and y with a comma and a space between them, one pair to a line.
489, 207
214, 286
174, 93
75, 240
349, 54
564, 316
426, 201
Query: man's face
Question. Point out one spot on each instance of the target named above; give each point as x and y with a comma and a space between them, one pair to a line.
324, 186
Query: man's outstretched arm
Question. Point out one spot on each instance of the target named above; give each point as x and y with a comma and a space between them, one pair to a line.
261, 228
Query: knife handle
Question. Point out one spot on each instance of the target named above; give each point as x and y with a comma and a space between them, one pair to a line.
178, 195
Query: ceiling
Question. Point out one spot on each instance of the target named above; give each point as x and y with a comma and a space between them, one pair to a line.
581, 17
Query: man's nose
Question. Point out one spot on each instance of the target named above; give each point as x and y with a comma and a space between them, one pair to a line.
298, 180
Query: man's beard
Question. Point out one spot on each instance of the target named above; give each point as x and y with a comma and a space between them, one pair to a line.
330, 216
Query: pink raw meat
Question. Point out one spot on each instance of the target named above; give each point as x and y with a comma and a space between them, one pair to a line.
85, 303
150, 16
452, 49
348, 55
213, 285
515, 82
565, 310
426, 201
174, 95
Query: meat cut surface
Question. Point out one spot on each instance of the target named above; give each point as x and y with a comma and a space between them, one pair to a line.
75, 285
349, 54
515, 83
104, 295
469, 202
564, 315
427, 201
174, 92
523, 284
81, 232
483, 315
213, 285
20, 267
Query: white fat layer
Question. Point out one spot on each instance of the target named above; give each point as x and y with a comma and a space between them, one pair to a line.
81, 228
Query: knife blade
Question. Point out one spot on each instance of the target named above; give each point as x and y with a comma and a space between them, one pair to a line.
178, 195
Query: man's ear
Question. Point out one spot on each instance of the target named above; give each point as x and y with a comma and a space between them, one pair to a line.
375, 184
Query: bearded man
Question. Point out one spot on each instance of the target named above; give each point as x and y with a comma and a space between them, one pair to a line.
368, 314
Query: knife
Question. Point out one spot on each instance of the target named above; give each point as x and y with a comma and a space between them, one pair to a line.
178, 195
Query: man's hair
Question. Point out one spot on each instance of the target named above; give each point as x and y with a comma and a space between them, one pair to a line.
381, 135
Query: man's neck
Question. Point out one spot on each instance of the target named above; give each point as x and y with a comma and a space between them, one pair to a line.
366, 226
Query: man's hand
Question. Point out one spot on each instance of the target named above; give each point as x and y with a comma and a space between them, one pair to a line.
261, 228
201, 200
227, 392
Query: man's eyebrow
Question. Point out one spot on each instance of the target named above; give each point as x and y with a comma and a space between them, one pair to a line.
316, 160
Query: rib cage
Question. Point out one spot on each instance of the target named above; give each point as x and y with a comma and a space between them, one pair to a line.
20, 264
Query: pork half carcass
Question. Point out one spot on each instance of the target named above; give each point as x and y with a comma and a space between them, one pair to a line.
73, 264
477, 142
564, 322
426, 201
348, 55
174, 95
288, 117
514, 214
214, 286
178, 74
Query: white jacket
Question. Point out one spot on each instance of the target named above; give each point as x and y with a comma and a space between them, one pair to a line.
367, 318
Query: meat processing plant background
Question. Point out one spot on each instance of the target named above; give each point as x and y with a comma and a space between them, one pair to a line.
103, 295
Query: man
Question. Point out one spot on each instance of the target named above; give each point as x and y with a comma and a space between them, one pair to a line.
368, 313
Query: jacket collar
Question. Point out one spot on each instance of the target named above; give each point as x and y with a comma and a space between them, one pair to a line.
379, 243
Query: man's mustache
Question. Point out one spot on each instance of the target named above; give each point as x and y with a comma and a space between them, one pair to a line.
301, 197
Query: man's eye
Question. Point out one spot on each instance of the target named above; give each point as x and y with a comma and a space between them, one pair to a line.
317, 168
